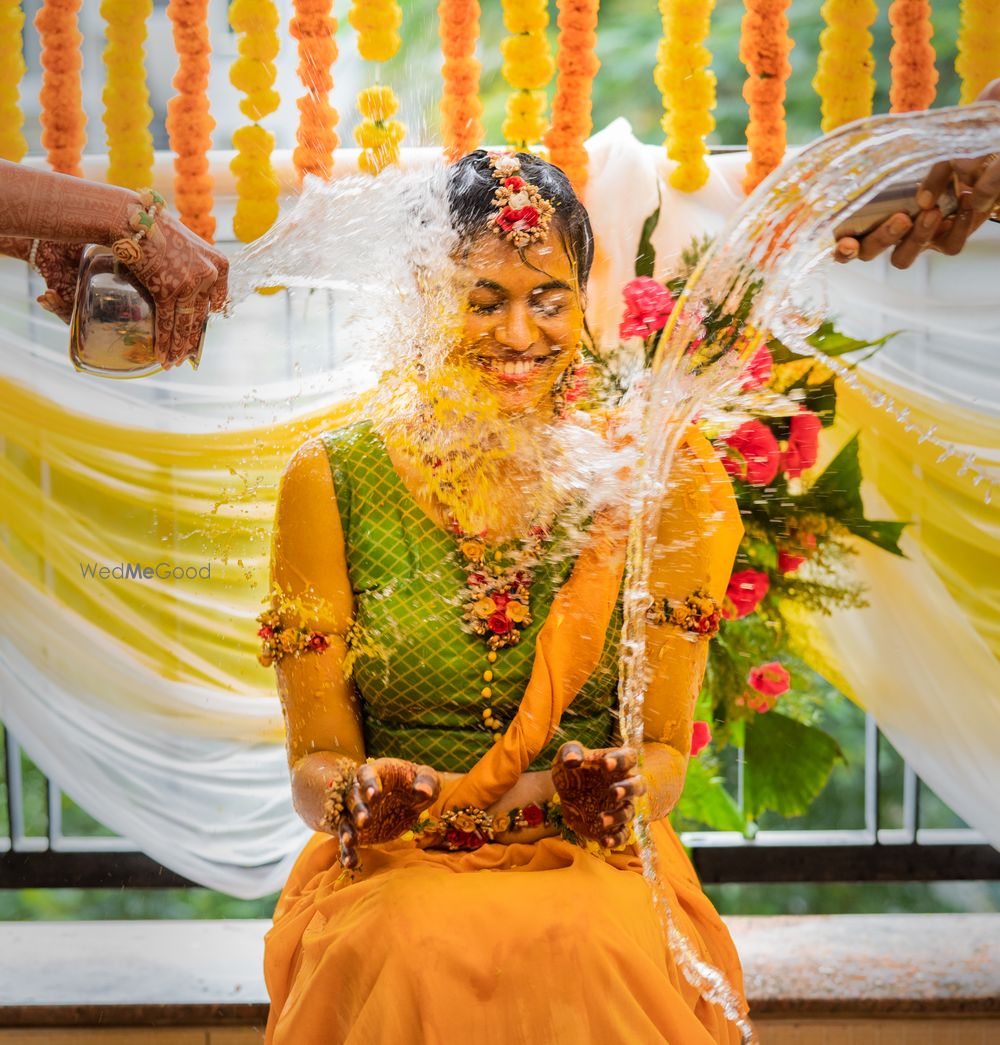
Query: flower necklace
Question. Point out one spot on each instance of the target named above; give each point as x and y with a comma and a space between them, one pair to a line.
495, 599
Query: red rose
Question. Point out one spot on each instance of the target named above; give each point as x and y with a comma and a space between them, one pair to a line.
513, 182
700, 737
317, 641
648, 305
533, 815
498, 623
757, 372
265, 632
464, 839
500, 600
788, 562
803, 443
746, 589
757, 455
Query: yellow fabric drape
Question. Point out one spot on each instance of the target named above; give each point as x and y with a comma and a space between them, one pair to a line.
81, 491
955, 527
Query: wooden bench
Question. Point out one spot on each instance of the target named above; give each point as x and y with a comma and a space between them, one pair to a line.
839, 980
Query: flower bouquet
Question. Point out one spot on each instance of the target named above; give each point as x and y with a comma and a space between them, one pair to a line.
801, 517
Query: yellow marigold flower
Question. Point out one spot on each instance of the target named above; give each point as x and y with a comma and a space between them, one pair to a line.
525, 16
474, 550
254, 16
378, 102
251, 75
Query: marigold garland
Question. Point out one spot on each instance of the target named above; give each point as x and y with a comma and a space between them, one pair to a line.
845, 72
528, 68
914, 78
13, 144
683, 77
377, 134
376, 22
62, 117
576, 58
254, 73
461, 106
764, 49
127, 112
314, 26
978, 60
189, 122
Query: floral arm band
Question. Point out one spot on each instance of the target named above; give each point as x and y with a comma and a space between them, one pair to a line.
277, 641
698, 615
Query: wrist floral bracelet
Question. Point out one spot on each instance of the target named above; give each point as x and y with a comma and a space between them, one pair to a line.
338, 786
127, 249
471, 828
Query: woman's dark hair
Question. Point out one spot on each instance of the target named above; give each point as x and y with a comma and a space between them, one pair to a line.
470, 198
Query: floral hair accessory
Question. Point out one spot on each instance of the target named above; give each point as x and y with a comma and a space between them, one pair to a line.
523, 214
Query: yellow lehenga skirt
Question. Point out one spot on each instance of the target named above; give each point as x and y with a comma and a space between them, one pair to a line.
543, 943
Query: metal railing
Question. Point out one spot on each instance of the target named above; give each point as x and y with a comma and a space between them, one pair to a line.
872, 853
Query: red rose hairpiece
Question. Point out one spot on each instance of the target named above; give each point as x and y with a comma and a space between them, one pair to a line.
523, 214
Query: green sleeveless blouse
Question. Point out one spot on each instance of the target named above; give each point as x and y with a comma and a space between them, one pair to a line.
418, 673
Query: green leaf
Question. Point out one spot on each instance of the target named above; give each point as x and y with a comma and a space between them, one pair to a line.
837, 492
787, 764
645, 258
831, 342
705, 801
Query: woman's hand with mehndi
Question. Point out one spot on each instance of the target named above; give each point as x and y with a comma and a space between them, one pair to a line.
388, 794
597, 790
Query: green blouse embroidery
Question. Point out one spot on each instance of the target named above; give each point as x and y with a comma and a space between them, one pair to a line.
418, 673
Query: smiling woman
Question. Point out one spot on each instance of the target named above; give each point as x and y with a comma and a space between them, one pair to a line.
445, 632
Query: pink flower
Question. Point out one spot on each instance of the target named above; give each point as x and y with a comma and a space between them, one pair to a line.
265, 632
757, 372
648, 305
317, 641
757, 455
746, 589
700, 737
771, 679
803, 443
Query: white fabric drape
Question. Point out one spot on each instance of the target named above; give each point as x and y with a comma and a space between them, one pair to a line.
193, 769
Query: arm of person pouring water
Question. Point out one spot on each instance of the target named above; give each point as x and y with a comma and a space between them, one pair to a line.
978, 183
47, 218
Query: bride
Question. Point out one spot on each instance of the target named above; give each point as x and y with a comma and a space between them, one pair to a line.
445, 630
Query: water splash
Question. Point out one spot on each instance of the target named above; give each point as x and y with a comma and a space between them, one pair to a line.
759, 267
